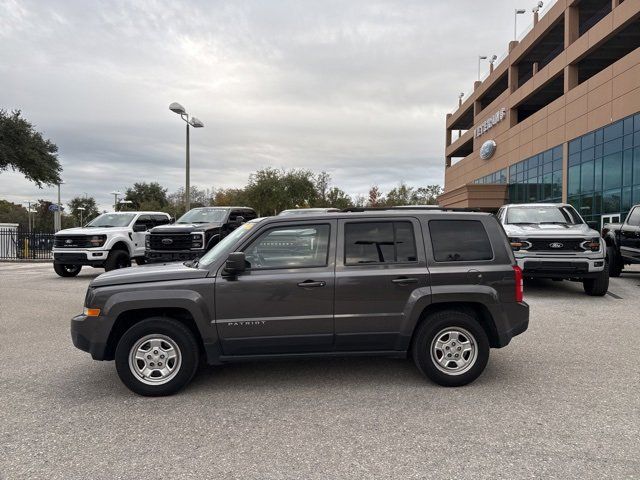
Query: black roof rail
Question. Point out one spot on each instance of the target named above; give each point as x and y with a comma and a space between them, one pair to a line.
410, 207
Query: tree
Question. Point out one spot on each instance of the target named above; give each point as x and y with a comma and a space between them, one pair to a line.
337, 198
199, 198
299, 188
265, 192
24, 149
231, 197
90, 209
427, 195
13, 213
322, 182
401, 195
376, 199
147, 196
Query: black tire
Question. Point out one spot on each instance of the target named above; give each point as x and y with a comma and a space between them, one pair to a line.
141, 260
117, 259
615, 264
597, 287
175, 331
433, 325
66, 270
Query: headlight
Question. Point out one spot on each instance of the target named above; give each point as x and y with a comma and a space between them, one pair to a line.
197, 240
519, 244
97, 240
147, 241
592, 244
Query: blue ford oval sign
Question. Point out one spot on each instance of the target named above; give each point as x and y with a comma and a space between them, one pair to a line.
487, 149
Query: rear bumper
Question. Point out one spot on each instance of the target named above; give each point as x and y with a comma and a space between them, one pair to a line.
90, 334
162, 256
512, 321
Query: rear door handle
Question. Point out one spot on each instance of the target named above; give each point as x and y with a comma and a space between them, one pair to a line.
404, 280
311, 283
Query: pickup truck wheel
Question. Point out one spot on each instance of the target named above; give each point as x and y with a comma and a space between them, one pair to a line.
117, 259
451, 348
615, 265
65, 270
157, 356
597, 287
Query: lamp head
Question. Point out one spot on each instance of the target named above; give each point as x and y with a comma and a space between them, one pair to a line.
196, 123
175, 107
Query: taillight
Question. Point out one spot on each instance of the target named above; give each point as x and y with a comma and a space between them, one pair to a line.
519, 283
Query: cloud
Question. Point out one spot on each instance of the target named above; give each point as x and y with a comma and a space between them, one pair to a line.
358, 88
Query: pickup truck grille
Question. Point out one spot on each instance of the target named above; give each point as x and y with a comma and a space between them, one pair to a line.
170, 241
567, 245
72, 241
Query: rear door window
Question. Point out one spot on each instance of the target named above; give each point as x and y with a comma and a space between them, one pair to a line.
379, 242
634, 217
459, 241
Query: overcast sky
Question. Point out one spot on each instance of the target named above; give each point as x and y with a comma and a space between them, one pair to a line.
359, 88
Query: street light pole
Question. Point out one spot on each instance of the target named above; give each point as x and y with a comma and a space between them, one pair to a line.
57, 218
81, 209
480, 57
187, 183
175, 107
518, 11
115, 194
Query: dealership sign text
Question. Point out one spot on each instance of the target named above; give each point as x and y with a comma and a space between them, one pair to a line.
490, 122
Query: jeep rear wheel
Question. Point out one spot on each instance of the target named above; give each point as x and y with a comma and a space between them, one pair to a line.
66, 270
157, 356
597, 287
451, 348
117, 259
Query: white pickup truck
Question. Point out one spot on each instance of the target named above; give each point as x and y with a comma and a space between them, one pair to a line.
109, 241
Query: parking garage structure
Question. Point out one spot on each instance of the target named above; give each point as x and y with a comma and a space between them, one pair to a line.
557, 120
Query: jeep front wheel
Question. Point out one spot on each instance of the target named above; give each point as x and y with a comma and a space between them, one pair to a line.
157, 356
451, 348
65, 270
117, 259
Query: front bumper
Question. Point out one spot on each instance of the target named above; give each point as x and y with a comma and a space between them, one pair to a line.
165, 256
80, 256
90, 334
565, 266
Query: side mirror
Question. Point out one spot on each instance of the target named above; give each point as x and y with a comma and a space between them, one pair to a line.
172, 220
139, 228
239, 220
235, 263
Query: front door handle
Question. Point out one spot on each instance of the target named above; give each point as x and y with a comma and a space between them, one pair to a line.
404, 280
311, 283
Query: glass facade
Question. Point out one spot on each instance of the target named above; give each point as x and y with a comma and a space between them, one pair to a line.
537, 178
604, 170
499, 177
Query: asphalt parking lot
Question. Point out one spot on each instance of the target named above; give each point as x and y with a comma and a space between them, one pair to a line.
561, 401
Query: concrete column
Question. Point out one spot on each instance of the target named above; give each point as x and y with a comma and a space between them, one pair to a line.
513, 117
535, 18
565, 170
570, 77
448, 135
447, 162
614, 3
535, 67
571, 25
512, 78
477, 108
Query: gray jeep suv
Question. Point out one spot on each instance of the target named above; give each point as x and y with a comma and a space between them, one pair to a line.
439, 286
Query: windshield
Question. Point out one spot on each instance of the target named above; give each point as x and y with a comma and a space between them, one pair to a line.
204, 215
215, 253
112, 220
543, 215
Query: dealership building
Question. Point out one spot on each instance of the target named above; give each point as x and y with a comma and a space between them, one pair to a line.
558, 119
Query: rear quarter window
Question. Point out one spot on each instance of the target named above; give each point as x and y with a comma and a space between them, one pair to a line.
459, 241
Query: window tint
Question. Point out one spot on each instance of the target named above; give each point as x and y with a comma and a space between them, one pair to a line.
379, 242
145, 220
294, 246
459, 240
634, 217
160, 220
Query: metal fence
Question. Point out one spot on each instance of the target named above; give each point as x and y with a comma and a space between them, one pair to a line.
17, 244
